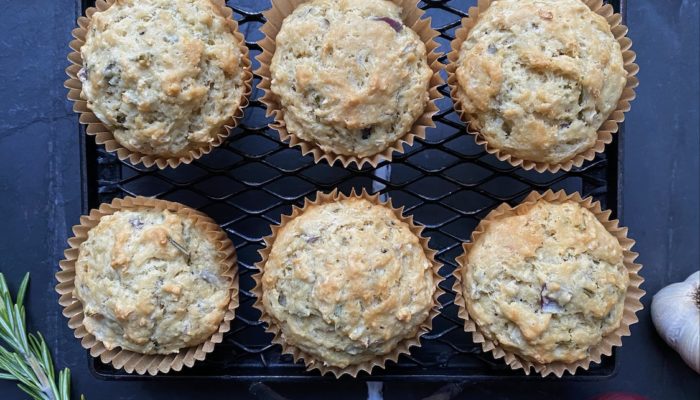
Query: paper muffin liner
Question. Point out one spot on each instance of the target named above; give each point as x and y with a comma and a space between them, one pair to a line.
411, 16
311, 361
132, 361
104, 136
632, 298
606, 130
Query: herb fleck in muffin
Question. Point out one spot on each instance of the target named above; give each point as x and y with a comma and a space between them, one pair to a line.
537, 78
350, 77
546, 282
150, 282
346, 282
163, 75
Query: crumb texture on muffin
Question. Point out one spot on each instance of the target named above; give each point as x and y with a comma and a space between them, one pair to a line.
350, 77
548, 283
163, 75
347, 281
150, 282
538, 78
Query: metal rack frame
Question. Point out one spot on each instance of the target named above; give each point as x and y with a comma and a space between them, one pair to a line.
446, 182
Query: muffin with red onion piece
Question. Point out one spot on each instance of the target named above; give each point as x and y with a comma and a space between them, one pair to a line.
546, 282
351, 78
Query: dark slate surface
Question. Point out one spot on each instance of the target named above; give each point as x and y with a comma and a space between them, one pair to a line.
40, 199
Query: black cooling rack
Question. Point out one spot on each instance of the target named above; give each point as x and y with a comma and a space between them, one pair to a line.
446, 182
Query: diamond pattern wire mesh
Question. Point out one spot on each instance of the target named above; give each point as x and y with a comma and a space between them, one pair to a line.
446, 181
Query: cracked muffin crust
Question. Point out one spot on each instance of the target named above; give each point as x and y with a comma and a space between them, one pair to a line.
150, 282
537, 78
346, 282
163, 75
350, 77
546, 282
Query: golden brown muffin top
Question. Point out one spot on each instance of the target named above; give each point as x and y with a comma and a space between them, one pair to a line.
150, 282
163, 75
350, 76
347, 281
539, 77
547, 283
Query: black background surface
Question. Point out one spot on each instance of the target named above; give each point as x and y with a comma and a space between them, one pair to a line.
40, 199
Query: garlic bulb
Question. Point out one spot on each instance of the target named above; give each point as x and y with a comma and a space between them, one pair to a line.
675, 311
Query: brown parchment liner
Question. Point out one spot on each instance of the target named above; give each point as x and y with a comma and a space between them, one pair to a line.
411, 16
102, 133
128, 360
403, 347
606, 130
632, 298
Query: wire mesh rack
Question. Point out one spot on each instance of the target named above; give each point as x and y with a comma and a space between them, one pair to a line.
447, 182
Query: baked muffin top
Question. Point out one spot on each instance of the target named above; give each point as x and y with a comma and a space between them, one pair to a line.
150, 282
539, 77
548, 283
349, 75
347, 281
163, 75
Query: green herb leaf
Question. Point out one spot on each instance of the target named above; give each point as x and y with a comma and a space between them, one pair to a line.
22, 290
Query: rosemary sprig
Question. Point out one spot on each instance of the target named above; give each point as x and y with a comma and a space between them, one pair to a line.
25, 357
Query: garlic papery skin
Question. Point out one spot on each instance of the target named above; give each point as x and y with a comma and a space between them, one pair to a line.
675, 311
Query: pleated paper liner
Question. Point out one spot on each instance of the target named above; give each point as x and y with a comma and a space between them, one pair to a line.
632, 298
309, 360
128, 360
102, 133
411, 16
606, 130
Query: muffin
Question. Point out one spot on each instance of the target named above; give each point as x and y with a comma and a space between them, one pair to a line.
538, 78
350, 77
151, 281
346, 284
164, 76
548, 282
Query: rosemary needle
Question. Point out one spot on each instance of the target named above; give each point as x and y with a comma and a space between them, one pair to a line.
180, 247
